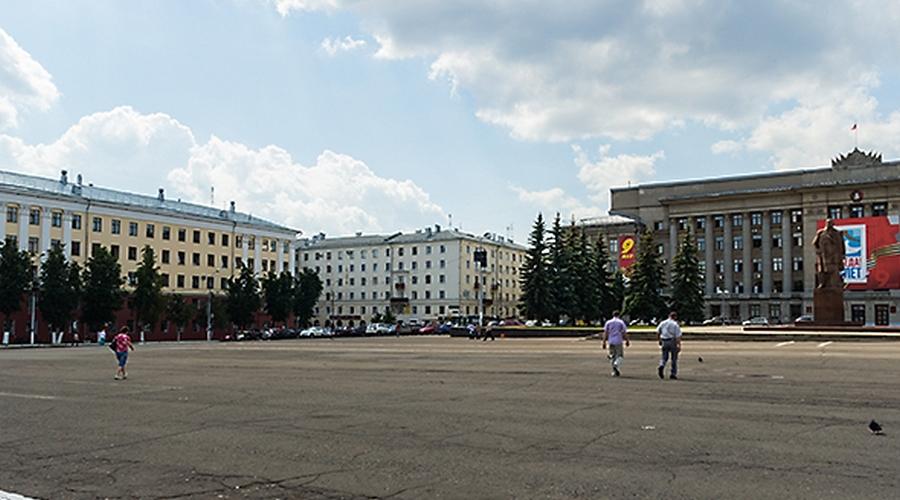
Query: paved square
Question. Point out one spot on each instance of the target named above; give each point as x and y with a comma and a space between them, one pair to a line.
450, 418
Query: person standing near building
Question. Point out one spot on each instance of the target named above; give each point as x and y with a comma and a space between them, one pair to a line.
616, 333
101, 336
668, 334
122, 343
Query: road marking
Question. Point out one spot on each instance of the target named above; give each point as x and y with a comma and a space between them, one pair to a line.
26, 396
823, 344
782, 344
5, 495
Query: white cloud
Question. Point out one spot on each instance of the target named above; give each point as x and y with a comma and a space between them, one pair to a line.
284, 7
332, 46
24, 83
555, 200
613, 171
125, 149
726, 146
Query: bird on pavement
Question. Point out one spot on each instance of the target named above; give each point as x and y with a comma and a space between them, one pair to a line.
875, 427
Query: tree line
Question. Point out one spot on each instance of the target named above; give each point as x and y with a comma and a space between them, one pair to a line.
65, 291
566, 276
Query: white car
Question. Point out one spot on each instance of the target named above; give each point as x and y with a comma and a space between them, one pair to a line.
315, 331
757, 321
531, 322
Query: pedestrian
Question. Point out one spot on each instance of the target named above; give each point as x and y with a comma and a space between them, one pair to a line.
122, 343
397, 328
668, 334
101, 336
616, 333
489, 331
470, 328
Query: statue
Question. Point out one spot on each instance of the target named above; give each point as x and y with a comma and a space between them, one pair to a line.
829, 244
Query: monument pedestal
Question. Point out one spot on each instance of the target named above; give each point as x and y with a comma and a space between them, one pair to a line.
828, 306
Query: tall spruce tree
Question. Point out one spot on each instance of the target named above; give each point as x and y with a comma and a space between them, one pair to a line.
60, 289
583, 283
243, 298
643, 299
616, 292
148, 300
604, 301
536, 299
687, 283
15, 280
307, 289
559, 264
102, 292
278, 291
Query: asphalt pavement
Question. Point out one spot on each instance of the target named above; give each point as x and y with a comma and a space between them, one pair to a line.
435, 417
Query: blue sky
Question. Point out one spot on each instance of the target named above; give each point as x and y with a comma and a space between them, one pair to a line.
339, 116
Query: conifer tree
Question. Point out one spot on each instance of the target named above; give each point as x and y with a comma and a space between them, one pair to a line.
643, 299
687, 283
536, 300
102, 292
604, 302
616, 292
559, 264
583, 283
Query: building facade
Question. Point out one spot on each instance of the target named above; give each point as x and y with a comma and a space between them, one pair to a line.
197, 248
754, 235
424, 275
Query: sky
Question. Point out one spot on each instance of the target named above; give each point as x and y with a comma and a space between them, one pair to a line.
340, 116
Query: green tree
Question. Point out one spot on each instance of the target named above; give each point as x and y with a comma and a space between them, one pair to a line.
243, 298
148, 300
536, 300
15, 279
616, 292
60, 289
604, 301
102, 292
179, 313
307, 289
559, 263
278, 291
687, 283
583, 283
643, 299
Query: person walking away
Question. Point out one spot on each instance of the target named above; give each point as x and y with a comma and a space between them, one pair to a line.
471, 329
616, 332
122, 343
101, 336
668, 334
488, 332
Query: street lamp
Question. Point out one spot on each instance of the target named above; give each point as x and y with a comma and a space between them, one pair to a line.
480, 258
209, 313
34, 289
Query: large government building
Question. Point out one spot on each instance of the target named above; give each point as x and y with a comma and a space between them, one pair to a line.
197, 247
423, 275
755, 232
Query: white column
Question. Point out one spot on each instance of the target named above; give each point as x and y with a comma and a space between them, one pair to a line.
46, 214
710, 259
767, 253
279, 250
291, 257
67, 234
2, 221
24, 214
257, 253
245, 245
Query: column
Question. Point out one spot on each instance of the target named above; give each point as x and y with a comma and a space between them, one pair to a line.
67, 234
245, 246
767, 253
2, 221
279, 250
46, 215
727, 261
24, 214
747, 253
673, 245
786, 250
291, 256
710, 260
257, 254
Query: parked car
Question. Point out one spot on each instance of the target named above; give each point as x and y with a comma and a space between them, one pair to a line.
756, 321
531, 322
715, 320
511, 322
428, 329
445, 328
806, 318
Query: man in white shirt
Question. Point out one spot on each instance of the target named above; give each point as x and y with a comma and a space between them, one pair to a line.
668, 334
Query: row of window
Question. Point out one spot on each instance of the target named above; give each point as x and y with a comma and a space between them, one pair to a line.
737, 265
441, 310
877, 209
400, 252
738, 287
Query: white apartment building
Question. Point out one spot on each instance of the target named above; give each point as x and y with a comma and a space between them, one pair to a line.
424, 275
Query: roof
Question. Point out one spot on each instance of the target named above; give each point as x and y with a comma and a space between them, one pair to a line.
81, 194
426, 236
608, 220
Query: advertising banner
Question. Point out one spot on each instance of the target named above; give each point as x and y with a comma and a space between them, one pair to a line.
871, 252
627, 251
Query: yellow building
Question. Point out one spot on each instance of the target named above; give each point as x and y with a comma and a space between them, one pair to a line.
197, 247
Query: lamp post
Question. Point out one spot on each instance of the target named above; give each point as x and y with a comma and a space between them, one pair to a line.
34, 290
209, 313
480, 258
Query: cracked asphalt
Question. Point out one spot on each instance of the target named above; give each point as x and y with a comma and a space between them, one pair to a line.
434, 417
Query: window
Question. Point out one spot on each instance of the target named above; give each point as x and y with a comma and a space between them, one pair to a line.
166, 233
443, 249
797, 240
195, 259
224, 262
682, 224
738, 265
754, 310
657, 225
33, 245
34, 217
56, 219
400, 251
211, 239
776, 241
196, 236
427, 279
720, 267
775, 311
856, 212
428, 250
701, 244
76, 248
442, 294
737, 220
132, 253
796, 216
195, 282
613, 246
442, 278
150, 231
415, 265
443, 264
878, 209
180, 281
718, 221
737, 243
776, 217
132, 279
834, 212
777, 264
181, 258
756, 219
210, 260
182, 235
224, 240
798, 264
210, 282
660, 249
165, 280
166, 255
114, 251
757, 266
757, 241
12, 214
97, 224
415, 250
132, 229
115, 227
76, 221
95, 248
700, 222
720, 243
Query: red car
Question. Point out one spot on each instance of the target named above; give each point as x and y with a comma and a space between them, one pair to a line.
428, 329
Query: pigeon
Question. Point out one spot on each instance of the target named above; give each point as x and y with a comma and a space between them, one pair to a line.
700, 359
876, 428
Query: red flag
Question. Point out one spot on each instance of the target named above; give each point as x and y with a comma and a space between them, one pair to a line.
853, 127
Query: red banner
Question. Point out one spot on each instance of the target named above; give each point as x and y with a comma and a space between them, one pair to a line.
627, 251
872, 252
